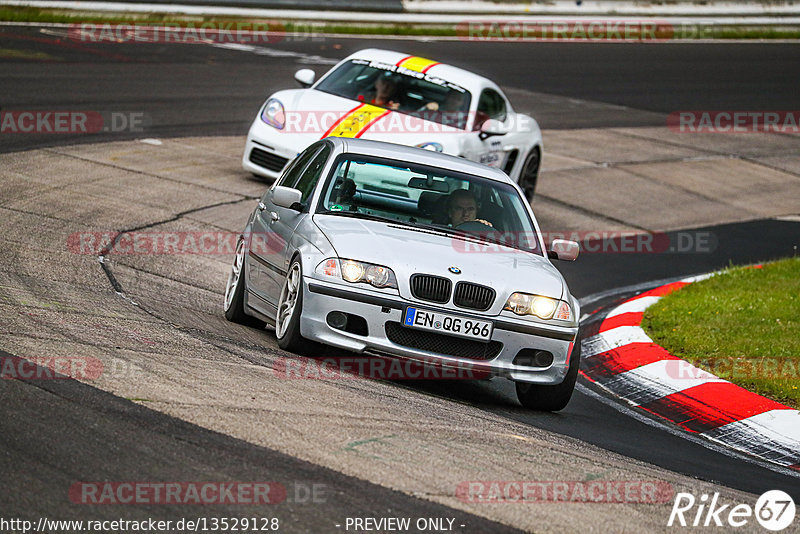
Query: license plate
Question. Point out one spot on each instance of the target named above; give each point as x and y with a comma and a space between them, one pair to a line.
444, 323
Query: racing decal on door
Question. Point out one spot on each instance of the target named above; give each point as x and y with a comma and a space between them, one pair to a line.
495, 157
491, 159
417, 64
357, 121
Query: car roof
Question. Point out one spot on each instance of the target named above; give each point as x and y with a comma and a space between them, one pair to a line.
422, 156
464, 78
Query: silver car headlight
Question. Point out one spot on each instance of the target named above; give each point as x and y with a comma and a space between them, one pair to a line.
355, 272
274, 114
541, 307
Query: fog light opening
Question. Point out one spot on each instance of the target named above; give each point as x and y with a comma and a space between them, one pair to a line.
543, 358
337, 320
534, 358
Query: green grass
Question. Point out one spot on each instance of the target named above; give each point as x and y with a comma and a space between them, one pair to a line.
33, 14
743, 325
7, 53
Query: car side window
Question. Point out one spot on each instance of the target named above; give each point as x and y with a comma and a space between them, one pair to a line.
308, 180
292, 174
492, 104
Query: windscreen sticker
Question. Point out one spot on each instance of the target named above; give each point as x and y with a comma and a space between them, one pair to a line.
401, 68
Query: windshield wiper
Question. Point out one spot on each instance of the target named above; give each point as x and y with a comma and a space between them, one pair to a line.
480, 237
434, 227
443, 230
359, 215
446, 230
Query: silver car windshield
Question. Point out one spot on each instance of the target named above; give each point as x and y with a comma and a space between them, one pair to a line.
405, 91
429, 198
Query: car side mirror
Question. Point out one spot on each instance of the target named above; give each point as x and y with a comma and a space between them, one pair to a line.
286, 197
492, 127
561, 249
305, 77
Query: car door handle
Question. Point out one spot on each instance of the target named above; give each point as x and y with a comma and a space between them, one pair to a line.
274, 216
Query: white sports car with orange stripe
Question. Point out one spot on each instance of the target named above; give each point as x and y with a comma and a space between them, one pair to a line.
394, 97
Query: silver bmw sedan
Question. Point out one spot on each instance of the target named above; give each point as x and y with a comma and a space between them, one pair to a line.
402, 252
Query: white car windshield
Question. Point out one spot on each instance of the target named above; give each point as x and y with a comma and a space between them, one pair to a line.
431, 198
405, 91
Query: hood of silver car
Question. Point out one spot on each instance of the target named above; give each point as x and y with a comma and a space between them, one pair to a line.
407, 250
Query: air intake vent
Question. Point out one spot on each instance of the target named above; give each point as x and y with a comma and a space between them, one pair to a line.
431, 288
473, 296
268, 160
441, 343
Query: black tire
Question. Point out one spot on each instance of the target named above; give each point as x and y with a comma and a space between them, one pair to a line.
290, 339
551, 398
529, 174
234, 311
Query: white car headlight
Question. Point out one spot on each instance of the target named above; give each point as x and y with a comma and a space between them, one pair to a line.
358, 271
274, 114
541, 307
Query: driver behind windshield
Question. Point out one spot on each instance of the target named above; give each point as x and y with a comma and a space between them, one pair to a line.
462, 208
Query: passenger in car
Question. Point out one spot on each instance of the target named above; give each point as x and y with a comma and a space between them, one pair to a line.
386, 93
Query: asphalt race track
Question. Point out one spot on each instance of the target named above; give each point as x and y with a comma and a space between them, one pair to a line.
191, 90
54, 433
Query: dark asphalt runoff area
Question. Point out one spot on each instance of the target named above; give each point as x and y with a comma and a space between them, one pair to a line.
53, 434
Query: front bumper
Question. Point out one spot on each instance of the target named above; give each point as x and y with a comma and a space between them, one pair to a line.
377, 309
272, 152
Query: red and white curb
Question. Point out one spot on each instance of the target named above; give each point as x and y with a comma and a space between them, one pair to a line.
623, 360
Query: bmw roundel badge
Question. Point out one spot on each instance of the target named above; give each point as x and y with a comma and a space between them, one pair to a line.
454, 270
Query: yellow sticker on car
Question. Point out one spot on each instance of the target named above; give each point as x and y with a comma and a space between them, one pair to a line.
357, 121
417, 64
